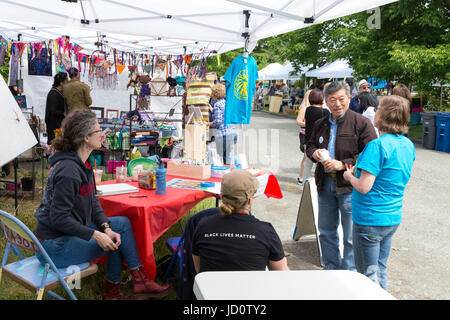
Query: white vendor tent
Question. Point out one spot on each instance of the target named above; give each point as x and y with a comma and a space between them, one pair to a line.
170, 27
264, 73
336, 69
17, 136
287, 73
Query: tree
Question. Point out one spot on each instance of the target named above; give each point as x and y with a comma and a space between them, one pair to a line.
263, 54
411, 45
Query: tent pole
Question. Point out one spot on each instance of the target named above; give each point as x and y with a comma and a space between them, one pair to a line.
246, 33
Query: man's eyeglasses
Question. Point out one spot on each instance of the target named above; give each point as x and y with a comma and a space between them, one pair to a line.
332, 101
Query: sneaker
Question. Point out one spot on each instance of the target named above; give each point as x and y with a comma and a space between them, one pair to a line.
299, 181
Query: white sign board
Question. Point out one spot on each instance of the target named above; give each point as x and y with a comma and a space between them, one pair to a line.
16, 135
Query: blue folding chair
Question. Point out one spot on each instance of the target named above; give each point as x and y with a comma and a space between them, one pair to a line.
29, 272
175, 246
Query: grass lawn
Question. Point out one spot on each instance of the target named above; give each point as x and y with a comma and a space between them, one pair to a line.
415, 131
91, 287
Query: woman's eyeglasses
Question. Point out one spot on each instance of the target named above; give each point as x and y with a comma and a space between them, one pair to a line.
95, 132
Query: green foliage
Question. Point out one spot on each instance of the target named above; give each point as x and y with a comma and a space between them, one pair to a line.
411, 46
263, 53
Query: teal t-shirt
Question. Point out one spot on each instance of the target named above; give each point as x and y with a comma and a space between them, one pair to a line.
241, 79
389, 158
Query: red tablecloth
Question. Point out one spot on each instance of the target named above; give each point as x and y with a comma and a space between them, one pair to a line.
153, 215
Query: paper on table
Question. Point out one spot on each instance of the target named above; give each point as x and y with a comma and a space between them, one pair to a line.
117, 188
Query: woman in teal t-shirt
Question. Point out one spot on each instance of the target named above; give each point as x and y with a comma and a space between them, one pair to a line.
382, 171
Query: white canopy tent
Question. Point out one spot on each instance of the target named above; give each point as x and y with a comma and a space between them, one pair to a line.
336, 69
170, 27
287, 73
167, 27
264, 73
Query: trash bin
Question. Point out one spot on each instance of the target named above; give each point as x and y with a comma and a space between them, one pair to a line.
443, 132
429, 129
414, 118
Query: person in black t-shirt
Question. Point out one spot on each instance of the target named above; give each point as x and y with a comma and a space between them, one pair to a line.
55, 107
235, 240
314, 111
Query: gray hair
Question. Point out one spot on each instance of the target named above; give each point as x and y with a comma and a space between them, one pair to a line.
74, 128
336, 86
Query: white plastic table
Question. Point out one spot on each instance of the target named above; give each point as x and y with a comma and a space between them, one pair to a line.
287, 285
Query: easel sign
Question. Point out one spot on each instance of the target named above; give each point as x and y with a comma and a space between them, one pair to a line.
307, 216
15, 132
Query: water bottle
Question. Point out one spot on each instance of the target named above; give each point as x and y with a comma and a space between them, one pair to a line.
161, 179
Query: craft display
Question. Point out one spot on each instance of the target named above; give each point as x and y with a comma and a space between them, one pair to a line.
40, 62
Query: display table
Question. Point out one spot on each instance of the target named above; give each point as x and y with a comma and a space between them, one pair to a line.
287, 285
152, 215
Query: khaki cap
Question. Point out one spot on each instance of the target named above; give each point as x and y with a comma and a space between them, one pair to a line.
238, 185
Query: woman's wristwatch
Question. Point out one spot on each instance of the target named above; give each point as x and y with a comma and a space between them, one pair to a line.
104, 226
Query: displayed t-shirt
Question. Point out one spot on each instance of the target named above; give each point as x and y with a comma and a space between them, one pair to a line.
389, 158
238, 242
241, 79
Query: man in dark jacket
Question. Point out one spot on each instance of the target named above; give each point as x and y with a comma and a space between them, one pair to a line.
336, 141
363, 86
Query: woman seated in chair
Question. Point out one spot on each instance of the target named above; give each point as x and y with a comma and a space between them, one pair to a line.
71, 223
235, 240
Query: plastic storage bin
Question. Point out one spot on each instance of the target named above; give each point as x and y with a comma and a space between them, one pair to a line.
429, 129
414, 118
443, 132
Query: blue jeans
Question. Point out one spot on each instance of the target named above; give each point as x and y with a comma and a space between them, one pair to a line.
330, 203
70, 250
372, 245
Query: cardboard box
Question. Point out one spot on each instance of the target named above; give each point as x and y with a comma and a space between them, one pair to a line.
188, 170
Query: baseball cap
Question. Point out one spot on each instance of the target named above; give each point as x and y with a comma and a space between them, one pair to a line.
238, 185
362, 82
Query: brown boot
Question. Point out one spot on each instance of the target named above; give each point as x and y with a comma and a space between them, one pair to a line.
112, 292
144, 287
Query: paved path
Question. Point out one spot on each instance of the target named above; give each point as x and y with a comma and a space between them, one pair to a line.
419, 263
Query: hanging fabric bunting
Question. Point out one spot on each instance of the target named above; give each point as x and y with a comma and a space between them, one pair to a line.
120, 68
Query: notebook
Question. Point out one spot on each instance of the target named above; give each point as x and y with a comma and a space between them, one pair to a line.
117, 188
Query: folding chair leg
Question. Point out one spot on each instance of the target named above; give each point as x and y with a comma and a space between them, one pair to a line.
40, 294
1, 270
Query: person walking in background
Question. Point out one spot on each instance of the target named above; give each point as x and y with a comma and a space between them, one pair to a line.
363, 86
336, 141
301, 123
379, 180
55, 106
402, 90
367, 106
77, 93
225, 135
314, 112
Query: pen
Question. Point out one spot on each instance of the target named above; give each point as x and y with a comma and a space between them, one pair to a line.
137, 196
